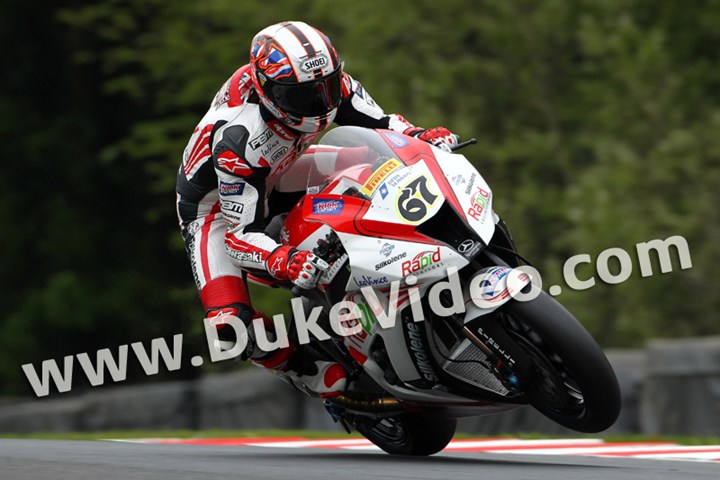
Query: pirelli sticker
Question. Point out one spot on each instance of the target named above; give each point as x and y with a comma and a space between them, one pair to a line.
379, 175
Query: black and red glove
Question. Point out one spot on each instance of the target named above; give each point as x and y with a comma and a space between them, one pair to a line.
439, 137
301, 267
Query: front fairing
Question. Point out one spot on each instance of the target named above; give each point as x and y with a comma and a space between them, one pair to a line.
390, 203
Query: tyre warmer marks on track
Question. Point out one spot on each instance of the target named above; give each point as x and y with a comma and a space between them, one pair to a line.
578, 446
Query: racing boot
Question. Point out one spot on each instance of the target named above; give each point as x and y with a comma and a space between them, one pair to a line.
316, 377
301, 367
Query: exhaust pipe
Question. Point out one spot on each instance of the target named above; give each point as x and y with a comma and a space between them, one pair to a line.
376, 405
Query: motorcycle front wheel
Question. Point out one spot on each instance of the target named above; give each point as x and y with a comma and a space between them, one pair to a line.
572, 381
408, 434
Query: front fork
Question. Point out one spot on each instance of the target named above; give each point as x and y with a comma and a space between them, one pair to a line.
481, 324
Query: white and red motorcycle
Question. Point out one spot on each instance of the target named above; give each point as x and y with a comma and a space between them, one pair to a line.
395, 215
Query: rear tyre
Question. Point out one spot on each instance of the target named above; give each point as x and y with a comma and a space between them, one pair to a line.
408, 434
572, 381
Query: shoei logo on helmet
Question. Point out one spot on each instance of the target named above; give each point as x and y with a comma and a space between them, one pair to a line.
310, 64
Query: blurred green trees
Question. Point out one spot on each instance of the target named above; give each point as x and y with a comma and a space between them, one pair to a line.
597, 123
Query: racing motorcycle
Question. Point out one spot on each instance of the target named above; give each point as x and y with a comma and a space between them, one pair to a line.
394, 215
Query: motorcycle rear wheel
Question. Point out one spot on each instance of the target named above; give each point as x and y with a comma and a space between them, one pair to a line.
573, 383
408, 434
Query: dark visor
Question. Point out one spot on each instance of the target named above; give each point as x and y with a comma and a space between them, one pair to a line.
307, 99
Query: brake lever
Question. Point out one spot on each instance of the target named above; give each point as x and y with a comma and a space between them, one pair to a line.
321, 265
460, 145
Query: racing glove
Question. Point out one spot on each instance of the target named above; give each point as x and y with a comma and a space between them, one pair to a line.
301, 267
439, 137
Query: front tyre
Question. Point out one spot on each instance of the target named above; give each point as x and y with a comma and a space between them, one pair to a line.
572, 382
408, 434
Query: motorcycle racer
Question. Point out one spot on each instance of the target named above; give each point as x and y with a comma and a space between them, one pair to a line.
232, 180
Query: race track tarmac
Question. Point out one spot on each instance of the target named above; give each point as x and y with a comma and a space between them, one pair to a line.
103, 460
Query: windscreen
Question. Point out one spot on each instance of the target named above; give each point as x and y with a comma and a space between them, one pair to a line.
351, 154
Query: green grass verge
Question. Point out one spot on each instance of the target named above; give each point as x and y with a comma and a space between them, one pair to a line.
130, 434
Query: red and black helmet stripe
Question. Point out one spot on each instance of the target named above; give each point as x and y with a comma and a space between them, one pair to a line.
304, 41
306, 44
330, 49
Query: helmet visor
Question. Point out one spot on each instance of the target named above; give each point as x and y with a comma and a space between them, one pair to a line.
307, 99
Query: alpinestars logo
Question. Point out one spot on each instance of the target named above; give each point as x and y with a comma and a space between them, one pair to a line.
233, 164
276, 267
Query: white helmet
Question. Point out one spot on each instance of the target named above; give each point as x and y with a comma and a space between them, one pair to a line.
297, 74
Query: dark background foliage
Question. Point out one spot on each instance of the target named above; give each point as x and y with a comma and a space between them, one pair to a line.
597, 123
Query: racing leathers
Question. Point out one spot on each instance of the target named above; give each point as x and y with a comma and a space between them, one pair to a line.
234, 161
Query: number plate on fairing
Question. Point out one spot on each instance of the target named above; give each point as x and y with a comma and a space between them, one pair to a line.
408, 195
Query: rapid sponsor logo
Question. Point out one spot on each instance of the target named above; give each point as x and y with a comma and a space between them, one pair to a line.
379, 175
327, 207
231, 188
480, 201
396, 139
261, 139
366, 281
419, 354
421, 261
390, 261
